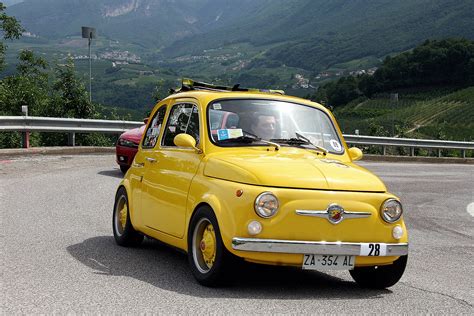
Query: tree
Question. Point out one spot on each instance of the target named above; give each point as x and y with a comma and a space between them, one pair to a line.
368, 85
29, 86
159, 92
11, 29
344, 91
70, 98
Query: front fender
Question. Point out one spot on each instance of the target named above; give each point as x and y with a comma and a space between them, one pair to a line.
232, 212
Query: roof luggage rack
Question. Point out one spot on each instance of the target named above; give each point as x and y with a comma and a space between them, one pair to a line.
191, 85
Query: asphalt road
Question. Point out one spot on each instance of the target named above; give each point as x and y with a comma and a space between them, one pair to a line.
58, 254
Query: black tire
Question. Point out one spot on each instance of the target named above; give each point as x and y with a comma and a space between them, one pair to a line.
205, 275
125, 236
124, 169
380, 277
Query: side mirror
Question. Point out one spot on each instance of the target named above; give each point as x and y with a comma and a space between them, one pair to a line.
355, 153
145, 120
186, 141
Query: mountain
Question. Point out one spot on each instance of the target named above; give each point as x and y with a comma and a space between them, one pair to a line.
315, 34
148, 23
308, 34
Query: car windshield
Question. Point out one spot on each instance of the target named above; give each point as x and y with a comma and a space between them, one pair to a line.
257, 122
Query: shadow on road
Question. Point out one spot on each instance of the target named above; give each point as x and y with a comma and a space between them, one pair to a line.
116, 173
166, 268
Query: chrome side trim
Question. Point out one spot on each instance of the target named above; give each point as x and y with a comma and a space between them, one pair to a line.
324, 214
310, 247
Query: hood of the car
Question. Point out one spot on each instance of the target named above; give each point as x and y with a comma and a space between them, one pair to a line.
134, 134
292, 169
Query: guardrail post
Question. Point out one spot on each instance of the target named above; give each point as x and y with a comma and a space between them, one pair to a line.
463, 153
412, 151
25, 136
439, 152
25, 139
384, 150
72, 139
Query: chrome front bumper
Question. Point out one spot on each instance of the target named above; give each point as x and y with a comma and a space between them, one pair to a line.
311, 247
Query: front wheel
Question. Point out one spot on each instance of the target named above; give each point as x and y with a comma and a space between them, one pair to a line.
124, 233
208, 258
380, 277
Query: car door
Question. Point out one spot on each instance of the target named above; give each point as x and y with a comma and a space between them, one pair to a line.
167, 179
149, 141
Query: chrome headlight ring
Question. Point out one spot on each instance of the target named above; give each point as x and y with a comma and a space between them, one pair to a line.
391, 210
266, 205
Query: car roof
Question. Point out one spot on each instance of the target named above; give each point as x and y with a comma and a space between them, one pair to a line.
207, 96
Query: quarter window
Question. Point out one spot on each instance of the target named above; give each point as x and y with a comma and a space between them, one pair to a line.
184, 118
153, 130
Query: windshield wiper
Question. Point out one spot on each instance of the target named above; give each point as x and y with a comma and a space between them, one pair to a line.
289, 141
298, 142
249, 138
301, 140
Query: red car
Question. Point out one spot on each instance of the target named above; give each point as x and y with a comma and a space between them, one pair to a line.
127, 147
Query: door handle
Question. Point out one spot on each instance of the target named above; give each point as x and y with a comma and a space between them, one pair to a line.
138, 164
151, 160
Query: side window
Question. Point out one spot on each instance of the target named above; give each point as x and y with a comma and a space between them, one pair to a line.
153, 131
184, 118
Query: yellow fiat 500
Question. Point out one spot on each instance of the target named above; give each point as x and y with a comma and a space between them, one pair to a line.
223, 173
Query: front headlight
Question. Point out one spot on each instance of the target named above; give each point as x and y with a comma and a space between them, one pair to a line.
391, 210
266, 205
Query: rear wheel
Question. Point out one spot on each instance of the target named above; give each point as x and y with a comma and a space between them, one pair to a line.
380, 277
207, 255
124, 233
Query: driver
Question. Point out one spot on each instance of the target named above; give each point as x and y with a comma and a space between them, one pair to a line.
264, 125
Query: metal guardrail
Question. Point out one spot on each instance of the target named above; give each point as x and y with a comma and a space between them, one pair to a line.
27, 124
69, 125
408, 142
411, 143
72, 126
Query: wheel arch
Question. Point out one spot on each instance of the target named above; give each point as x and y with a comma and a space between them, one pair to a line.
212, 202
126, 185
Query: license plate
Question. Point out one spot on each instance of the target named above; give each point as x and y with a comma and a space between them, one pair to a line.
328, 262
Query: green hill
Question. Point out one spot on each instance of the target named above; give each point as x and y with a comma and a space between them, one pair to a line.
423, 114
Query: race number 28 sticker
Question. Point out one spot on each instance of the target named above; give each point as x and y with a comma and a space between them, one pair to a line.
373, 249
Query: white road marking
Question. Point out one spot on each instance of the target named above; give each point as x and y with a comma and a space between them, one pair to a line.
470, 209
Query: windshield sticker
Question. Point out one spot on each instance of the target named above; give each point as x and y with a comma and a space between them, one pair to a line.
217, 106
223, 134
335, 145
